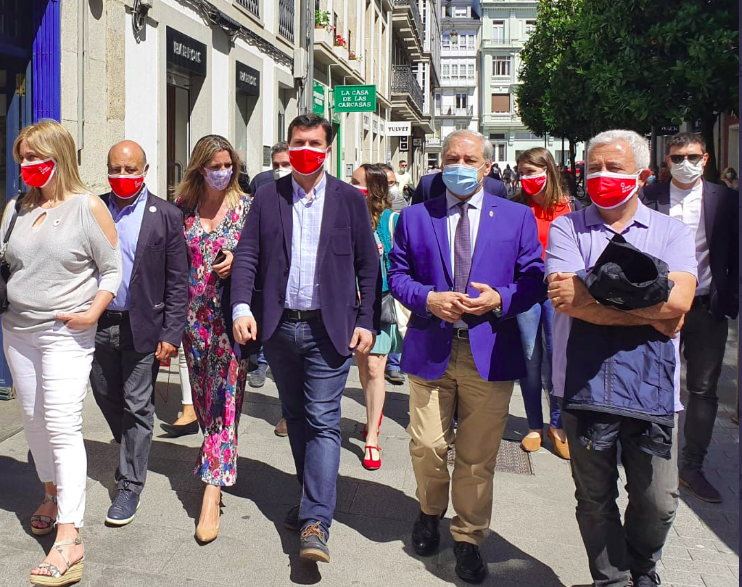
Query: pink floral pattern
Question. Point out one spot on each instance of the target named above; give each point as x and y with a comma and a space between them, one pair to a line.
217, 375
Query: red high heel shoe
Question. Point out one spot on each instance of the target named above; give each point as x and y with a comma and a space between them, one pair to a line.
371, 463
365, 432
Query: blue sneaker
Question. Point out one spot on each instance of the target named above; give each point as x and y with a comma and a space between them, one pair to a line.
123, 509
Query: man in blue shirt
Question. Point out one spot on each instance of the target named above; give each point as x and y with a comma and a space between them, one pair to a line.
143, 324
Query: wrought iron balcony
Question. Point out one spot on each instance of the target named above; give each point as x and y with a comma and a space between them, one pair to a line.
252, 6
404, 82
286, 19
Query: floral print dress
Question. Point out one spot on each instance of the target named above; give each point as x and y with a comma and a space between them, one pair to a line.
217, 375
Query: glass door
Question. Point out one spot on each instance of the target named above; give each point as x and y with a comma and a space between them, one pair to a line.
178, 131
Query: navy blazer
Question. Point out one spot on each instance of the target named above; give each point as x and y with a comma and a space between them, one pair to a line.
347, 259
158, 288
431, 186
721, 222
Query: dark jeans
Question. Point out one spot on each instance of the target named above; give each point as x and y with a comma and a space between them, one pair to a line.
535, 327
704, 340
123, 385
311, 376
616, 550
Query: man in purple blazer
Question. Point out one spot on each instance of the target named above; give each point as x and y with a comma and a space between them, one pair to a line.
306, 252
465, 265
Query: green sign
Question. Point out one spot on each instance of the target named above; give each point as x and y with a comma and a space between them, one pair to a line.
318, 99
355, 98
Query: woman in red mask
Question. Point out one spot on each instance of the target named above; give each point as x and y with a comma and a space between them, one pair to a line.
372, 181
65, 268
215, 210
541, 190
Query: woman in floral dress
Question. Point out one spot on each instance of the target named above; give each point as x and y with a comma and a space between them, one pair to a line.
215, 209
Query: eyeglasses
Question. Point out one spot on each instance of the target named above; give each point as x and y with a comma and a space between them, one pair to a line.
677, 159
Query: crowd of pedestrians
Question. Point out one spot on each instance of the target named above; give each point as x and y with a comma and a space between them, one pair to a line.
472, 287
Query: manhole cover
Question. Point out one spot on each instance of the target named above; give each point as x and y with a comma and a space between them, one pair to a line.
510, 458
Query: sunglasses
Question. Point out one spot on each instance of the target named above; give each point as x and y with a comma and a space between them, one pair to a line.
677, 159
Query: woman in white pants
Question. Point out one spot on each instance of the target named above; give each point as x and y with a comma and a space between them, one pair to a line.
65, 267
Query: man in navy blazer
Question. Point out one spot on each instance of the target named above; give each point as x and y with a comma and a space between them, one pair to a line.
306, 279
465, 264
431, 186
710, 211
143, 324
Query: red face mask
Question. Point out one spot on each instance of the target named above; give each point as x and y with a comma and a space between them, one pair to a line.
533, 184
125, 186
609, 190
306, 160
363, 190
38, 173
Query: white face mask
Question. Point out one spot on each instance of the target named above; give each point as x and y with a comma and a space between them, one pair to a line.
686, 172
281, 172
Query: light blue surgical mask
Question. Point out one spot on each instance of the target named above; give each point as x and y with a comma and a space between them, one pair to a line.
461, 180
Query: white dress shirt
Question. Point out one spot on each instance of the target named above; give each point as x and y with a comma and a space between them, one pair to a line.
453, 213
687, 206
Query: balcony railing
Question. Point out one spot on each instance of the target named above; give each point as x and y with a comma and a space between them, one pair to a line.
404, 82
252, 6
455, 111
286, 19
412, 5
497, 42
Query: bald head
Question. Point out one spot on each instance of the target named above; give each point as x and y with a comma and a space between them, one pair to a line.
126, 158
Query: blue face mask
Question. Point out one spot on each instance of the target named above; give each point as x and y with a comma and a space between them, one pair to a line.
461, 179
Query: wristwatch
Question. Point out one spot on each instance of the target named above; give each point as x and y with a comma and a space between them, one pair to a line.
498, 311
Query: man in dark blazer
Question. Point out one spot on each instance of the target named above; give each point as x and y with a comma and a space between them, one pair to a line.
431, 186
143, 324
305, 278
710, 211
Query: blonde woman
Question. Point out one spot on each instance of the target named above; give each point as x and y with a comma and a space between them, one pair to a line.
215, 209
373, 182
65, 267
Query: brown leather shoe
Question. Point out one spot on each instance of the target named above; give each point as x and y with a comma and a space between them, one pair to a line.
532, 444
560, 448
281, 429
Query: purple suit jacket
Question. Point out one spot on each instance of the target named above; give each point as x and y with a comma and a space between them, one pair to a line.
507, 257
158, 290
347, 259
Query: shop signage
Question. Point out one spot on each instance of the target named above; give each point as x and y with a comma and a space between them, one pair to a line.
318, 99
266, 156
417, 142
398, 129
185, 52
355, 98
248, 79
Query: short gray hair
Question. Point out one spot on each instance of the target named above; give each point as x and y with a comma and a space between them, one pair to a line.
487, 147
638, 144
280, 147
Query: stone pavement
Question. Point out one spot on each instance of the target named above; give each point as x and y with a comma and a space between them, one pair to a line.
534, 539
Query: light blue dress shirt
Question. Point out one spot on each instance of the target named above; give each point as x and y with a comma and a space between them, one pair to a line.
302, 290
128, 222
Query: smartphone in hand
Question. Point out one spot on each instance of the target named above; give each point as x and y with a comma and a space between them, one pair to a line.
221, 256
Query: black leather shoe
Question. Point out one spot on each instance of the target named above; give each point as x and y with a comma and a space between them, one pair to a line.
469, 564
395, 377
425, 533
314, 544
699, 486
177, 431
649, 580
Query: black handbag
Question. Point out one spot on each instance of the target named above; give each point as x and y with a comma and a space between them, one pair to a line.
388, 311
4, 267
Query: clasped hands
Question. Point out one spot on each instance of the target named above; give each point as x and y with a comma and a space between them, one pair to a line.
451, 305
569, 294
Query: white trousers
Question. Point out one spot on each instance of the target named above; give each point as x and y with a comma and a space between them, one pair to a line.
50, 372
185, 379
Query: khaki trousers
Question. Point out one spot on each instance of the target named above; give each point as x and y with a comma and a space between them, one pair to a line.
482, 415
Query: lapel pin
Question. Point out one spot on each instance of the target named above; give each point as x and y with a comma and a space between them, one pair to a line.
57, 221
491, 213
153, 208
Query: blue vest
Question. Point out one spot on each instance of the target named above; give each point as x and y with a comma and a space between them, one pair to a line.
623, 370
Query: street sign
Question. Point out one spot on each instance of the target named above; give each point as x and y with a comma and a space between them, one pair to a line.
318, 99
398, 129
355, 98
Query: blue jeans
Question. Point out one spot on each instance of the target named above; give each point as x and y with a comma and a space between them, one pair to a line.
311, 376
261, 357
392, 362
536, 335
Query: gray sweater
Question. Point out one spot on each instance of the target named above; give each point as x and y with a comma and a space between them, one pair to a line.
58, 266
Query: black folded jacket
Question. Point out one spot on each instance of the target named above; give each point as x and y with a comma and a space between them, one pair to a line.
628, 279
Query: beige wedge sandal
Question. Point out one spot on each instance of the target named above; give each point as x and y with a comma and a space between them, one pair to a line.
56, 578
